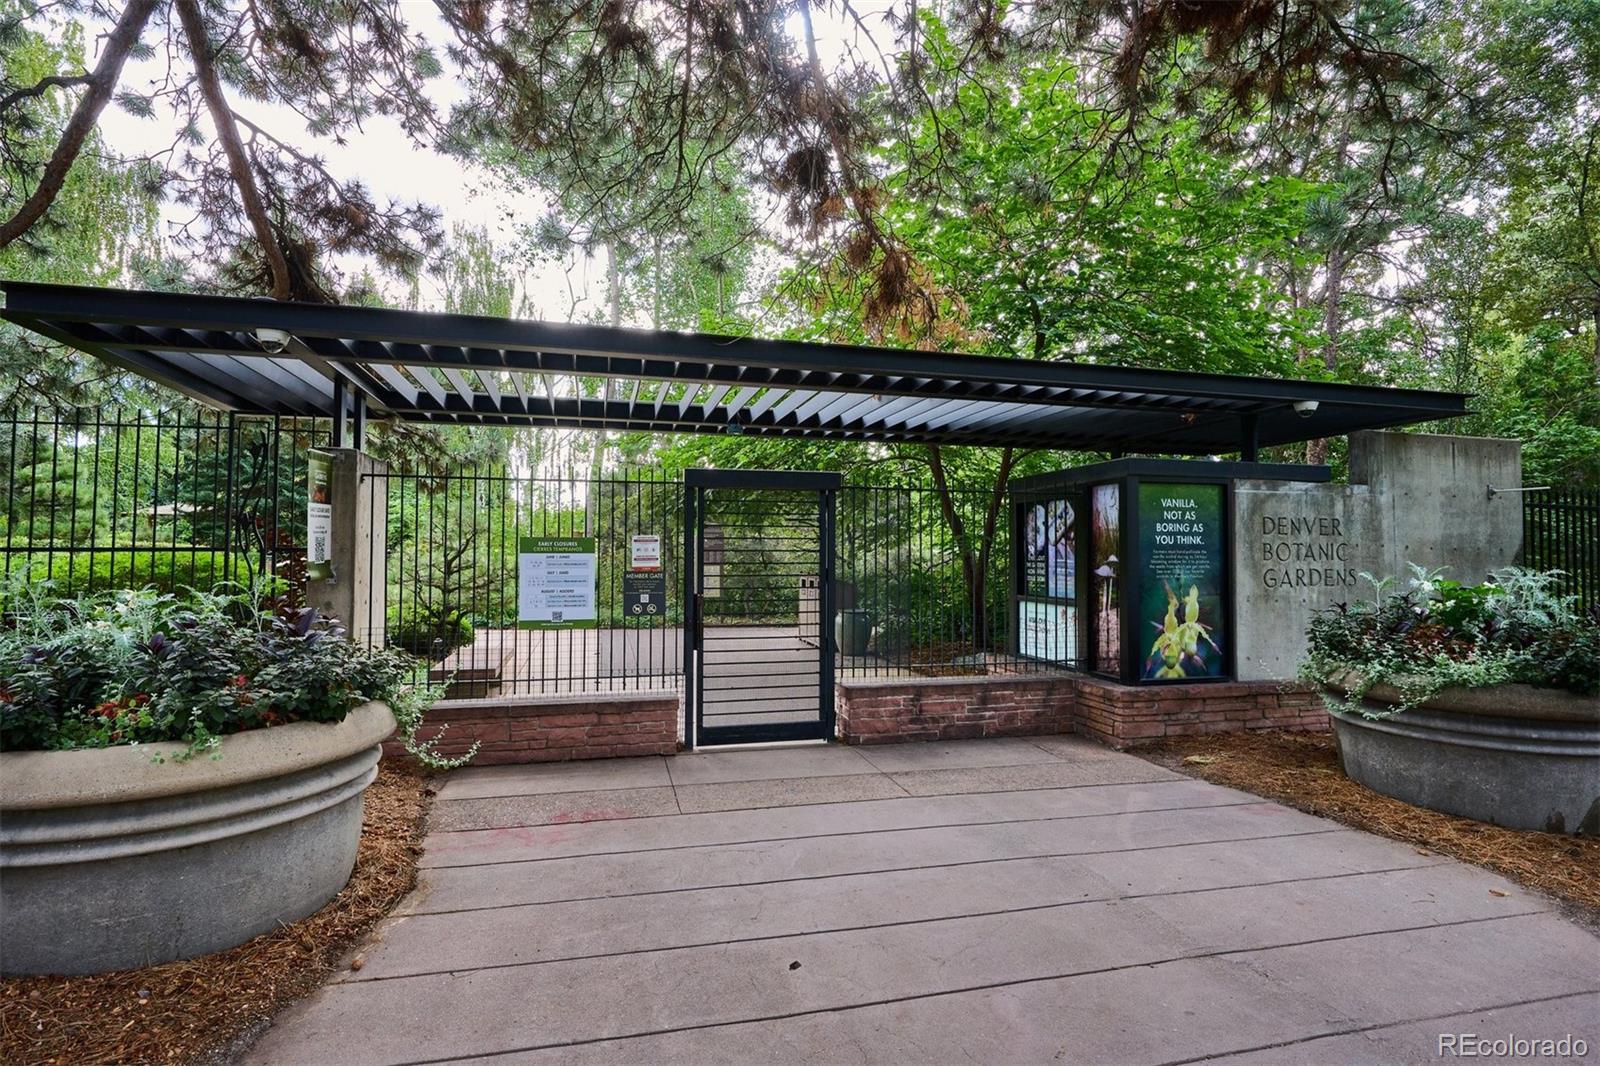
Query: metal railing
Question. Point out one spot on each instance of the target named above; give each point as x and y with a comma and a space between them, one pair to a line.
1561, 531
183, 499
451, 579
173, 500
914, 600
934, 603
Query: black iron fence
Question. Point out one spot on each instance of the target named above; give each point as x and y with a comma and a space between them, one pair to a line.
175, 499
451, 588
108, 500
1561, 531
928, 599
914, 597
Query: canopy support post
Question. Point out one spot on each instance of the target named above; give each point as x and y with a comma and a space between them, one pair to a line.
1249, 437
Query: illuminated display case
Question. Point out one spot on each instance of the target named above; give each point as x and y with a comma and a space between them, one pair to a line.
1124, 569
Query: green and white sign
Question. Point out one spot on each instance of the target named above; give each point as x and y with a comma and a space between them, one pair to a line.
319, 517
555, 583
1181, 581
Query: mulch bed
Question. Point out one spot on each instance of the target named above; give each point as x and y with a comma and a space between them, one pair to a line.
196, 1011
1302, 771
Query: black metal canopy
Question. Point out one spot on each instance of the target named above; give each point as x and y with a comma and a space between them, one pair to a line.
428, 367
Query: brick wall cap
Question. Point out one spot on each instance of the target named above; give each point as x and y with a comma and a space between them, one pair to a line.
1194, 689
880, 684
611, 703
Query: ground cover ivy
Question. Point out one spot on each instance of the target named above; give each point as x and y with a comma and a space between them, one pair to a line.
139, 667
1432, 633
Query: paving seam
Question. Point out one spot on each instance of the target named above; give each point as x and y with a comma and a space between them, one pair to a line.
555, 792
904, 791
889, 870
1379, 1027
824, 836
986, 987
823, 803
859, 749
673, 784
1061, 905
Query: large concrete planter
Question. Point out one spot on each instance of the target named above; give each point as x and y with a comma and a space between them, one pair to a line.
1512, 755
109, 860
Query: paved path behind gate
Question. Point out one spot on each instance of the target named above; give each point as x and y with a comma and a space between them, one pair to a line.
1002, 901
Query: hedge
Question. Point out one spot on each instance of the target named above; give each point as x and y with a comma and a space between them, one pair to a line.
167, 568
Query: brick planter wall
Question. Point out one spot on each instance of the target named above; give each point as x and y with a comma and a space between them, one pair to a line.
1125, 715
516, 729
896, 710
953, 708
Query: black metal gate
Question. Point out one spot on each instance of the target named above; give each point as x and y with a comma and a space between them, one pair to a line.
758, 580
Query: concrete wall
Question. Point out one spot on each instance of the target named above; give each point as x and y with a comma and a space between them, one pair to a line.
1412, 497
1297, 547
355, 594
1432, 496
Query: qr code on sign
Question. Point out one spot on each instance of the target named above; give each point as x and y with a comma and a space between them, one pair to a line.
319, 546
555, 616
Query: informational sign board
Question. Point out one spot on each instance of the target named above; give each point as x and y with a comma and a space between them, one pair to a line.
319, 517
1182, 529
644, 552
644, 594
1105, 590
1049, 549
555, 583
1046, 631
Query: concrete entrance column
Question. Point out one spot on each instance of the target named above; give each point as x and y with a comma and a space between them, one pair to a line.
356, 593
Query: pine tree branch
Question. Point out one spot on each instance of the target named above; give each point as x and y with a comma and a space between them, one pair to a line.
53, 81
194, 30
84, 117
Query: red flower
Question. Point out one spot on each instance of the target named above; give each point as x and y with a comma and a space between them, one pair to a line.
108, 709
240, 681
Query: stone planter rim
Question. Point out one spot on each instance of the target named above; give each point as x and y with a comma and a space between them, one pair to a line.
44, 780
1507, 700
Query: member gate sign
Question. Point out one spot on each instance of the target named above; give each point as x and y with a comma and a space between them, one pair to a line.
555, 583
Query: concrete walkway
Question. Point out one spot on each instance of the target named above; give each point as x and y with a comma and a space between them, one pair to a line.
1001, 901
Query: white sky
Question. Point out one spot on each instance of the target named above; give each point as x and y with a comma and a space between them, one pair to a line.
385, 158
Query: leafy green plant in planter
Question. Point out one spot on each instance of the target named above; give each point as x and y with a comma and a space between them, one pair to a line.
428, 637
1435, 634
137, 667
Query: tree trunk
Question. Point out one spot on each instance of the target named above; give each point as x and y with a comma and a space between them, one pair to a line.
1332, 312
1585, 227
84, 117
974, 563
597, 457
1596, 310
194, 31
1332, 323
655, 287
